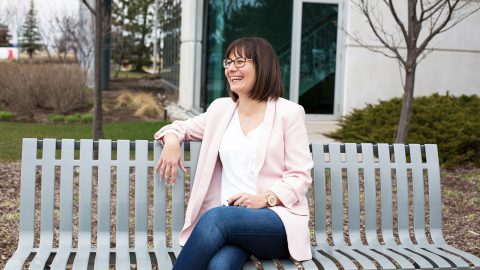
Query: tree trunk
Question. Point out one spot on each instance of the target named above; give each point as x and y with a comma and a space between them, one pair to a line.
97, 104
406, 112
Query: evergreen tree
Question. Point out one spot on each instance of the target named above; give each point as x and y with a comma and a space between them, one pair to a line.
4, 36
30, 41
133, 18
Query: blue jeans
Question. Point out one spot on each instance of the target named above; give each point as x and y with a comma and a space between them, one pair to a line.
225, 236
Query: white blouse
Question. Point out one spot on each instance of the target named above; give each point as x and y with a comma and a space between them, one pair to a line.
238, 155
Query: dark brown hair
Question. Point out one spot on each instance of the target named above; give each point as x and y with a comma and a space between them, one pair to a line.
267, 68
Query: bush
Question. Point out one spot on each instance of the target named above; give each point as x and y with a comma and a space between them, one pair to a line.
86, 118
56, 118
6, 115
72, 118
60, 87
450, 122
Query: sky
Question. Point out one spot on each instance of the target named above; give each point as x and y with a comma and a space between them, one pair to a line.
12, 13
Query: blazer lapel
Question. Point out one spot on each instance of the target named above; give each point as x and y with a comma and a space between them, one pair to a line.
262, 147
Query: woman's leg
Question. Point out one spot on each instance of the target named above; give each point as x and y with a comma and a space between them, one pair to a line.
258, 231
229, 257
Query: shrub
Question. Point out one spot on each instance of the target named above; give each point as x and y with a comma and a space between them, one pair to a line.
72, 118
86, 118
450, 122
59, 87
6, 115
56, 118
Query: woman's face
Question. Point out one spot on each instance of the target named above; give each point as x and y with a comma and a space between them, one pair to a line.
241, 79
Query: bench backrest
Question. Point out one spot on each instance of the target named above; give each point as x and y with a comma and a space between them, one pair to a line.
402, 179
388, 185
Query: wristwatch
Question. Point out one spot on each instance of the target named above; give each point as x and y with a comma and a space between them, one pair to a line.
271, 199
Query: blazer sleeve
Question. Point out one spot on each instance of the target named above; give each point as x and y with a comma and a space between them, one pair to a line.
191, 129
296, 179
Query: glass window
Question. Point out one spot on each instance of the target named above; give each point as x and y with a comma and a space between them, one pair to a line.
228, 20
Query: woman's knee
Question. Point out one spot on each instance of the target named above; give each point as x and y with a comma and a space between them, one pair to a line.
229, 257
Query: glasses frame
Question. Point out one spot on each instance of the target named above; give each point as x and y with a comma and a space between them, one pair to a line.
227, 62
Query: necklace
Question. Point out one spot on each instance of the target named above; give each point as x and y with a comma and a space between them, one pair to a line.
248, 120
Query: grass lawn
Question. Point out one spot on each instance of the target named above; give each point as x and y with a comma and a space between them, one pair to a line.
11, 134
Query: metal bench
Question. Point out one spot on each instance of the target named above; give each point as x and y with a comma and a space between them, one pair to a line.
354, 185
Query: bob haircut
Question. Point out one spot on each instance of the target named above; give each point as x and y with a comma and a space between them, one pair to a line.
268, 84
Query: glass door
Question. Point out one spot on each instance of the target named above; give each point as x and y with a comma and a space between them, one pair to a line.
315, 61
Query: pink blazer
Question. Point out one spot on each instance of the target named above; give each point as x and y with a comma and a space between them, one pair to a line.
283, 165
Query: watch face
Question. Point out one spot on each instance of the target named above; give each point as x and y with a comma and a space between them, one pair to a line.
271, 200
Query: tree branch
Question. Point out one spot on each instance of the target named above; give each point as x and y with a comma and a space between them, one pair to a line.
434, 32
89, 7
397, 19
365, 10
433, 12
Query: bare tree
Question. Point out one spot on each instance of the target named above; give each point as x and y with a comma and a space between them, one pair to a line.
423, 20
97, 103
69, 39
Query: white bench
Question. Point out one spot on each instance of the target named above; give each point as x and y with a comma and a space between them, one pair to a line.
388, 177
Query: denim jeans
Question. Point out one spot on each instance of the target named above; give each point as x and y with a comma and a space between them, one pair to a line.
226, 236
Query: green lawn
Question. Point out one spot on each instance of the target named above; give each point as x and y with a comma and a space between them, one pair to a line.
11, 134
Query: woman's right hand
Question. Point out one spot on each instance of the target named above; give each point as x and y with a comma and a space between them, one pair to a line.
170, 159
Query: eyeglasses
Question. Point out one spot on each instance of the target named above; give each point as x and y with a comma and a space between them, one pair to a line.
238, 62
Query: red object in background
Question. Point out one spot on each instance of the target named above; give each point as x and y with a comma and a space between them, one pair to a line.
10, 55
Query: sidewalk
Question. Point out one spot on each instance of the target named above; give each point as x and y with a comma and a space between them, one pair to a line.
316, 129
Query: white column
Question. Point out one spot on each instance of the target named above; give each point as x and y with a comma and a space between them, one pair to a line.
190, 54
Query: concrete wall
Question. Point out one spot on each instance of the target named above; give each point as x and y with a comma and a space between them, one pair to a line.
453, 65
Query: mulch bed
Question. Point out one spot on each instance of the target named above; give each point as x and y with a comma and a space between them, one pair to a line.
461, 208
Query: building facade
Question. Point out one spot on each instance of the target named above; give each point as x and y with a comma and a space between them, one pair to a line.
322, 68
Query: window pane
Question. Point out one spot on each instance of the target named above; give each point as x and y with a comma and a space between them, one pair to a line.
231, 19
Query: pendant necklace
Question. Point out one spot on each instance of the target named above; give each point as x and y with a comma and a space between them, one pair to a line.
248, 120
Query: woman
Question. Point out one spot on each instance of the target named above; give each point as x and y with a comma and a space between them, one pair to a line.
249, 191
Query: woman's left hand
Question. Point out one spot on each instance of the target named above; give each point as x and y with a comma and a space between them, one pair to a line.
248, 200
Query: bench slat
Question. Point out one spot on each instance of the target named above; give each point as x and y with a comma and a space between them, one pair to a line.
370, 194
178, 205
122, 260
380, 259
386, 194
402, 194
320, 195
418, 194
336, 188
66, 194
141, 205
459, 263
421, 261
353, 194
344, 261
434, 194
85, 194
470, 257
47, 195
103, 194
324, 261
365, 262
402, 261
441, 262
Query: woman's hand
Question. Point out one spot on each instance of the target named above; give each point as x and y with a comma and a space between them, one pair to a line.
248, 200
170, 159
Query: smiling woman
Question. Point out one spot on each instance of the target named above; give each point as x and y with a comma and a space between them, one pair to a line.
242, 202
